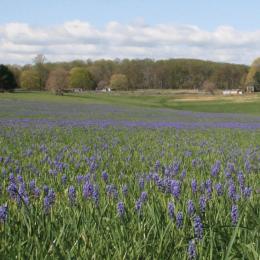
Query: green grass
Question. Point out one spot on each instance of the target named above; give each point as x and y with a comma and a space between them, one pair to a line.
170, 100
88, 229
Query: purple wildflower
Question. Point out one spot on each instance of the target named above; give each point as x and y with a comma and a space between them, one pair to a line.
105, 176
80, 178
215, 169
3, 213
247, 192
49, 200
87, 190
190, 207
32, 185
183, 174
232, 190
141, 183
36, 192
234, 214
138, 206
179, 219
157, 165
95, 195
72, 195
219, 189
112, 191
171, 210
192, 250
12, 178
64, 179
120, 209
144, 196
125, 190
175, 188
20, 178
194, 186
45, 190
208, 186
198, 227
203, 203
12, 190
247, 166
241, 180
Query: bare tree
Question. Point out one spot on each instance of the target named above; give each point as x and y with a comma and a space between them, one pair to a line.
209, 86
57, 81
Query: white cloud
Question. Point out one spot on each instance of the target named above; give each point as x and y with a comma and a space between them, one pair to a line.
20, 42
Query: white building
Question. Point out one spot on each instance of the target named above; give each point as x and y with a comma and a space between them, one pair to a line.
232, 92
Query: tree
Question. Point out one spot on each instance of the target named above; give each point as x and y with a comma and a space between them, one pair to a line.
7, 79
102, 84
57, 81
30, 79
209, 86
81, 78
255, 67
119, 81
39, 62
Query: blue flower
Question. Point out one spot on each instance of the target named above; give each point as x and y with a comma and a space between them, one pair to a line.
72, 195
171, 210
3, 213
198, 227
234, 214
203, 203
192, 250
219, 189
120, 209
175, 188
125, 190
105, 176
190, 208
179, 219
144, 196
138, 206
194, 186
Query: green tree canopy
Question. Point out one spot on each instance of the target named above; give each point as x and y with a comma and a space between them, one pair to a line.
41, 69
81, 78
30, 79
255, 67
119, 81
7, 79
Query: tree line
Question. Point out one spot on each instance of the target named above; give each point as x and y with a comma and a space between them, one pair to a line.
133, 74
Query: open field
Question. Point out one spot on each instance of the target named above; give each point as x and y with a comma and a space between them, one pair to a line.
179, 100
134, 175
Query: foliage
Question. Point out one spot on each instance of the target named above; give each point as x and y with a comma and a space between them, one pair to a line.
57, 80
40, 67
90, 176
30, 79
119, 81
81, 78
209, 86
150, 74
99, 192
7, 79
255, 67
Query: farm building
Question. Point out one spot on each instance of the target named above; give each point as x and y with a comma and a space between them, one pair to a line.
232, 92
105, 89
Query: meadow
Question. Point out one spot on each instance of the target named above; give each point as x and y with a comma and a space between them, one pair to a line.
129, 176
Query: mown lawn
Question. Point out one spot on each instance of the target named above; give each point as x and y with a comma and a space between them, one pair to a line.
249, 104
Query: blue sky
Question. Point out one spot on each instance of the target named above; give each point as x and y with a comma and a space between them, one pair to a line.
206, 14
227, 31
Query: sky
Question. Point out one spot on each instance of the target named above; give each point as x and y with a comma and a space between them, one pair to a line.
225, 31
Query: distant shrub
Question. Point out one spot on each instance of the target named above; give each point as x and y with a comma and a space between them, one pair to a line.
7, 79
